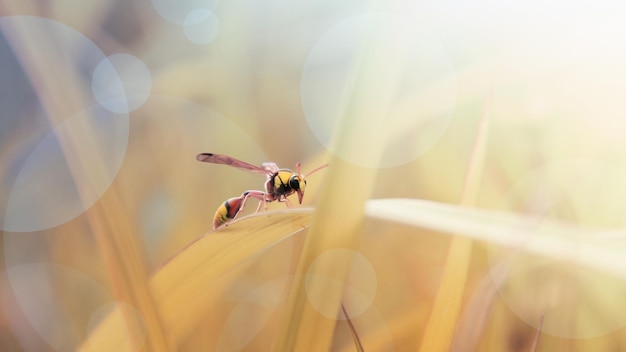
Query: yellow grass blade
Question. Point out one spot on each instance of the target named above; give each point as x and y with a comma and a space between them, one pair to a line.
314, 301
440, 329
179, 288
336, 225
592, 247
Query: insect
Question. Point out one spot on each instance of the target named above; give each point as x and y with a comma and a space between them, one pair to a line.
280, 184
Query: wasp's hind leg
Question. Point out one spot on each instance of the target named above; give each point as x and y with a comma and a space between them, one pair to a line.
260, 195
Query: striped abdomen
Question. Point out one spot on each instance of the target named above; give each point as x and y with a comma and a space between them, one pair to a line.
227, 211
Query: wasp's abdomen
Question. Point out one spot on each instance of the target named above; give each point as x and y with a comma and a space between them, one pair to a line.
227, 211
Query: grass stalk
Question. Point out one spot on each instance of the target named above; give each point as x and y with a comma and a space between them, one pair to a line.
339, 214
441, 326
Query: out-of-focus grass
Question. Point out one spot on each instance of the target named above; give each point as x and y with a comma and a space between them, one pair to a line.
206, 274
553, 161
447, 307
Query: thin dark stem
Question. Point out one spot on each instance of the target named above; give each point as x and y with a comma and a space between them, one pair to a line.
355, 336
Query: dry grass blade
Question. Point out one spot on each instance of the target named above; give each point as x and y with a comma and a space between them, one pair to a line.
336, 224
338, 218
180, 287
552, 239
447, 307
476, 315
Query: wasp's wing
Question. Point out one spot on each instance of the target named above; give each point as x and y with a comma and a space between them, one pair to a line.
227, 160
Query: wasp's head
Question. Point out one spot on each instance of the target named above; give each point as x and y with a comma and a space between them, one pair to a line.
298, 184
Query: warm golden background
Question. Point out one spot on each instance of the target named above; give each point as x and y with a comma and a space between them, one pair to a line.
513, 108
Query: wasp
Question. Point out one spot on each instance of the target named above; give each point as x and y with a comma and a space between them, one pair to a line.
280, 184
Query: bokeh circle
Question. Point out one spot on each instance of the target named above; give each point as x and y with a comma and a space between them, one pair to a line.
176, 11
130, 315
121, 83
561, 297
359, 288
197, 17
423, 95
69, 168
201, 26
38, 287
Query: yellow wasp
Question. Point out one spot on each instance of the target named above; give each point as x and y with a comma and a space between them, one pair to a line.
280, 184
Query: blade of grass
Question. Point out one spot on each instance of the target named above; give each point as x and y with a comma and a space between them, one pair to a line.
587, 247
476, 314
120, 247
187, 287
336, 224
338, 218
447, 307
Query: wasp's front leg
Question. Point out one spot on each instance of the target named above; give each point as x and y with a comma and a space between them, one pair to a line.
285, 200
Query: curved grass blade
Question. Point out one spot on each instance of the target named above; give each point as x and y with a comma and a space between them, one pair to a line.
179, 287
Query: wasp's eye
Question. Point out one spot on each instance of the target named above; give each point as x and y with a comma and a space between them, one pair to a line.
294, 183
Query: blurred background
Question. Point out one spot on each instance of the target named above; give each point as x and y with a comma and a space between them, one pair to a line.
104, 105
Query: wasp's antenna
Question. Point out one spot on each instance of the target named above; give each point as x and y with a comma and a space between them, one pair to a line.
298, 169
312, 171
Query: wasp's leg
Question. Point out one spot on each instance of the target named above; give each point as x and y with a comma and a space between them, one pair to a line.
260, 195
258, 208
286, 201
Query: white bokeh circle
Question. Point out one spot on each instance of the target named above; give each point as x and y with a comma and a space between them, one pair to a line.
121, 83
359, 289
197, 17
251, 315
45, 192
177, 11
424, 93
574, 301
201, 26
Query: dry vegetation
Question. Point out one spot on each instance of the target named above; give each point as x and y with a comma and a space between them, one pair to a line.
474, 199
